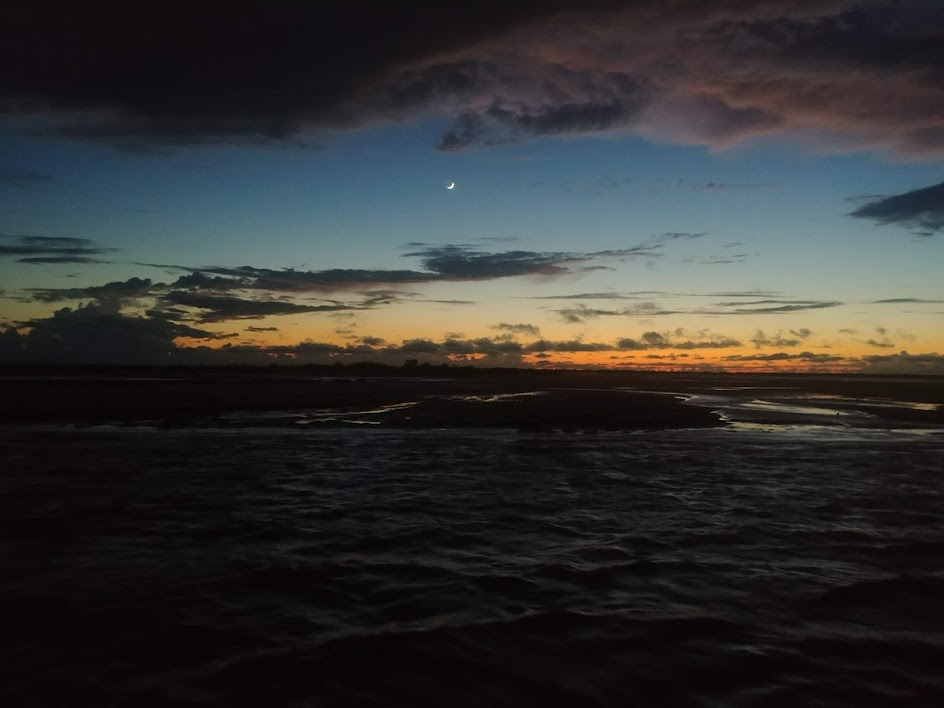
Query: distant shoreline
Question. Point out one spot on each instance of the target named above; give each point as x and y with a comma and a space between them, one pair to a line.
584, 400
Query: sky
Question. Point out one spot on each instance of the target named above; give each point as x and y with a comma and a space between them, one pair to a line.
661, 185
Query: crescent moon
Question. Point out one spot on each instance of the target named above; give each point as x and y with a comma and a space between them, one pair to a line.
451, 185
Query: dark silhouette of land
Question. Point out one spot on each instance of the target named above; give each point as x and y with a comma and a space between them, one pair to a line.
444, 396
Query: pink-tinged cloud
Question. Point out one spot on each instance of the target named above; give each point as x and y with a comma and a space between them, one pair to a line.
844, 75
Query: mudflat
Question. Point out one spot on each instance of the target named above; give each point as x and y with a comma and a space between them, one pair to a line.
440, 397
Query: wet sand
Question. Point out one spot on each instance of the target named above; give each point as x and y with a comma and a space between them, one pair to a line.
566, 399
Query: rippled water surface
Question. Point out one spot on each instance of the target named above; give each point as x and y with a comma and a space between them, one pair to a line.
368, 566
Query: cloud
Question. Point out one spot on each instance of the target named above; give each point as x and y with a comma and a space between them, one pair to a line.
526, 329
201, 281
770, 307
300, 281
749, 293
447, 263
920, 210
904, 363
884, 342
586, 296
24, 179
95, 334
718, 260
46, 260
670, 340
599, 187
777, 306
582, 313
272, 86
668, 236
762, 340
504, 122
51, 249
783, 356
220, 309
118, 292
458, 263
726, 186
668, 69
907, 301
252, 328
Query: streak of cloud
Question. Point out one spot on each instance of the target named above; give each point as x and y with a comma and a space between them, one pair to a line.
24, 179
51, 249
220, 308
920, 210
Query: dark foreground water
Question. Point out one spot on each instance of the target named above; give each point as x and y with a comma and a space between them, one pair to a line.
266, 567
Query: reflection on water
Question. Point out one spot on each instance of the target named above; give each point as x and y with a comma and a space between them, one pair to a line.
495, 397
812, 409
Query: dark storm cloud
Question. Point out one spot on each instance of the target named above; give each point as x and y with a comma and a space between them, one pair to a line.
921, 210
183, 74
51, 249
220, 309
24, 179
143, 75
252, 328
95, 333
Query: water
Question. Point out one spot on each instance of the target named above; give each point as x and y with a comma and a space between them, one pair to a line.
266, 566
